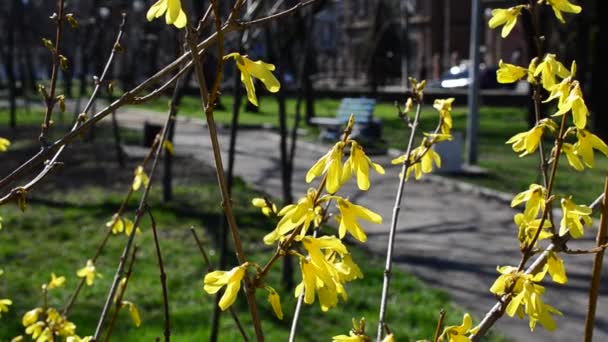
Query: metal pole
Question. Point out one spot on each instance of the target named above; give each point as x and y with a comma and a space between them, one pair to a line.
473, 97
405, 44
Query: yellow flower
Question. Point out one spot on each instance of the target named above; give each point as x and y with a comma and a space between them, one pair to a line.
421, 160
4, 304
527, 141
575, 103
175, 14
586, 143
215, 280
268, 208
330, 163
549, 68
56, 282
275, 302
458, 333
509, 73
140, 178
88, 272
534, 198
133, 311
556, 268
572, 156
4, 144
445, 109
359, 163
572, 216
528, 229
347, 269
31, 317
507, 17
303, 214
118, 224
39, 329
349, 213
560, 6
258, 69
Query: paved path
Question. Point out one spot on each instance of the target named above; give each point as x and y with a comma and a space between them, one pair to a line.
449, 237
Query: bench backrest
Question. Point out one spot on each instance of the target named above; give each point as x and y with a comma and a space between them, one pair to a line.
362, 108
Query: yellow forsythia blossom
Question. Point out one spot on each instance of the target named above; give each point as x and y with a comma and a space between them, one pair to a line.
118, 224
458, 333
528, 228
534, 198
560, 6
175, 14
215, 280
527, 141
140, 178
31, 317
88, 272
258, 69
574, 102
349, 213
572, 216
445, 113
4, 144
356, 334
526, 296
275, 302
556, 268
4, 304
133, 311
76, 338
573, 158
506, 17
509, 73
586, 143
303, 214
330, 163
359, 163
268, 208
549, 68
55, 282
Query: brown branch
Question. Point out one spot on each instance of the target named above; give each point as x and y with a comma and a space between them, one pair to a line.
163, 280
50, 98
596, 274
120, 295
439, 325
207, 104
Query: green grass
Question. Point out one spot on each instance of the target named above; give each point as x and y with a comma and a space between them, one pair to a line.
61, 228
506, 171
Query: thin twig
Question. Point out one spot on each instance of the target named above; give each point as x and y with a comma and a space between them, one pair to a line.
393, 227
439, 325
210, 268
596, 274
50, 99
207, 105
120, 295
163, 280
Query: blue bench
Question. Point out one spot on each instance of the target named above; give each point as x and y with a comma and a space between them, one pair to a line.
366, 127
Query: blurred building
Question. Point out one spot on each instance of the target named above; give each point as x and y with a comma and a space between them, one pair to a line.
365, 42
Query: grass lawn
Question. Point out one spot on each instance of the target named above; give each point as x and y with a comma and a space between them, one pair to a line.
64, 222
506, 171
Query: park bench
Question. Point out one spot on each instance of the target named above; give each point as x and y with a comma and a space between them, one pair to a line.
367, 130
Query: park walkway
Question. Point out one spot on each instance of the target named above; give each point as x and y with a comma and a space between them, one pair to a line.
450, 236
